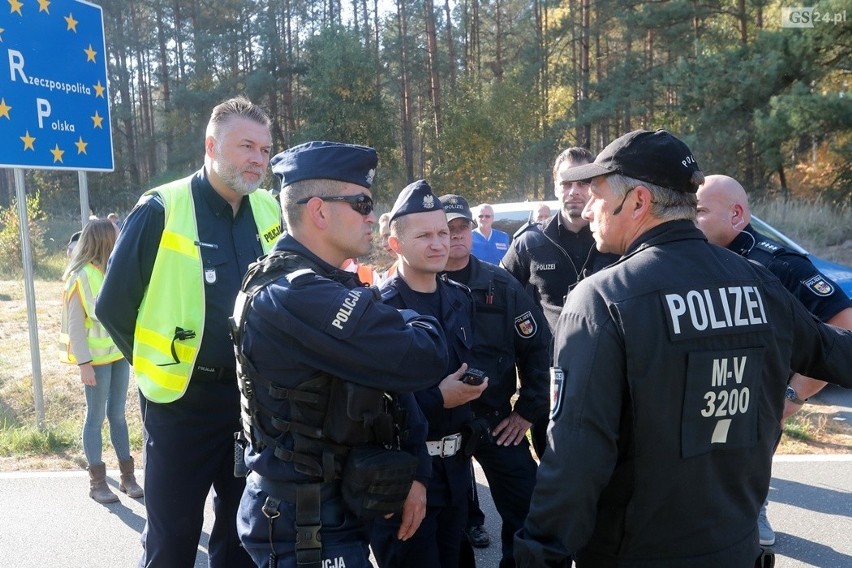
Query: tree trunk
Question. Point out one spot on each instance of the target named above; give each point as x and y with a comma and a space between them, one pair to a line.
434, 71
165, 82
405, 101
451, 52
584, 131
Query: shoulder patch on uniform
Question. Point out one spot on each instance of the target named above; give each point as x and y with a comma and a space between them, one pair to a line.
557, 382
346, 310
525, 325
819, 285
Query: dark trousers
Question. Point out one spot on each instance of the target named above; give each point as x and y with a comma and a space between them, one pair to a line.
436, 544
511, 472
189, 447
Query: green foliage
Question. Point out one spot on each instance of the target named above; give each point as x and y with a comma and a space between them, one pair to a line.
342, 100
11, 255
30, 440
745, 93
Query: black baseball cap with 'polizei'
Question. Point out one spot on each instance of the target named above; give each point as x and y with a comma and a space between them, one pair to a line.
655, 157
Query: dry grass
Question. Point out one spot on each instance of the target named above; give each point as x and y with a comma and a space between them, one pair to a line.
816, 429
57, 445
821, 229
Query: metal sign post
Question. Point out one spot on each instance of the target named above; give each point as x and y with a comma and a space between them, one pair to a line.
26, 253
54, 111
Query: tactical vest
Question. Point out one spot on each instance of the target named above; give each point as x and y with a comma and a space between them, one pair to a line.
328, 416
170, 324
87, 283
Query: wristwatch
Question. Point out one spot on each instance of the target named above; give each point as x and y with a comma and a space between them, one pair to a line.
793, 396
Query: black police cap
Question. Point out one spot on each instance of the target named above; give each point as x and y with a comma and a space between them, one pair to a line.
656, 157
456, 207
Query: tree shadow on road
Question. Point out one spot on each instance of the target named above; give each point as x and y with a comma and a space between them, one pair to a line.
808, 552
812, 498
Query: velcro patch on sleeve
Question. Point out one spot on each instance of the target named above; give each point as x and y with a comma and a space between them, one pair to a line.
345, 311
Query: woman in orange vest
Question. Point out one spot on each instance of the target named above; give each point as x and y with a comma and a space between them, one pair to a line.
104, 371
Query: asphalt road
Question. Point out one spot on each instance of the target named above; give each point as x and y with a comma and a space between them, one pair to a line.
47, 518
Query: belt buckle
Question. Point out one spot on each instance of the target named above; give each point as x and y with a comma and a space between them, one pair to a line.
450, 445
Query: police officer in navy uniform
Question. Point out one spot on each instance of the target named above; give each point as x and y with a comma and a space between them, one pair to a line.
548, 260
511, 343
724, 216
166, 298
420, 238
668, 383
320, 360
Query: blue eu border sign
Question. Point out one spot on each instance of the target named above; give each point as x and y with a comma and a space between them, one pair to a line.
54, 103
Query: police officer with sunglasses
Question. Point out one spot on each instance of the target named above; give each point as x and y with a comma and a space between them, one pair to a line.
321, 363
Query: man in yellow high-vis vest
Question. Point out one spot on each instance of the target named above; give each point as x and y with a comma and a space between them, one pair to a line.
166, 298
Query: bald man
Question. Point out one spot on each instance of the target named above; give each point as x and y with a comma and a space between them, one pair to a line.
725, 218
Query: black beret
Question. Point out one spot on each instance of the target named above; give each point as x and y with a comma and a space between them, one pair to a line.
415, 197
326, 160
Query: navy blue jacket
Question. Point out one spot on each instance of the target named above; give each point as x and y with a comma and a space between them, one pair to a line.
327, 322
511, 342
817, 292
450, 476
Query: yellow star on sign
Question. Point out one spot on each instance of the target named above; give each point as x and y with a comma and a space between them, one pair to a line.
28, 141
15, 6
99, 90
43, 5
72, 23
4, 109
90, 53
81, 146
97, 120
57, 154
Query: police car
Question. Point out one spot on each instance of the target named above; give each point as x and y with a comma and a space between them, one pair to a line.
509, 217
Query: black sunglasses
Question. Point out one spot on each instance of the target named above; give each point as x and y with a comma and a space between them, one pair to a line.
361, 203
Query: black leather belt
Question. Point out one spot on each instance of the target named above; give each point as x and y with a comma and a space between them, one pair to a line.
214, 374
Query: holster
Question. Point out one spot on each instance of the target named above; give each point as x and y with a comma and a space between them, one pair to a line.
376, 481
473, 433
765, 560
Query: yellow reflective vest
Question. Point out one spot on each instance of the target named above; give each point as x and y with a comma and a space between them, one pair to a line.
170, 323
86, 283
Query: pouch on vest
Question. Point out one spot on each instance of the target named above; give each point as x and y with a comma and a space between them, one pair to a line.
376, 481
356, 414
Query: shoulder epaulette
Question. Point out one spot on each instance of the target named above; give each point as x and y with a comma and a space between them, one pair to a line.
453, 283
525, 227
770, 247
389, 292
